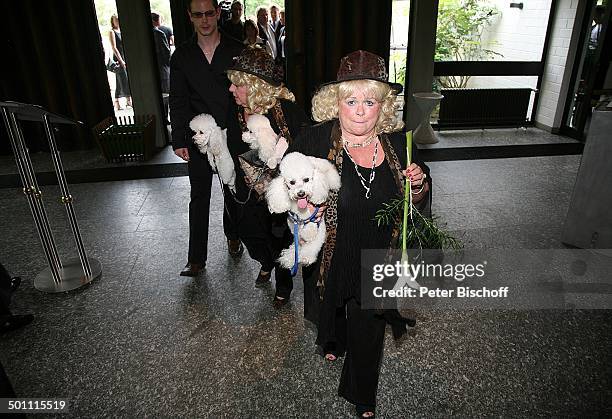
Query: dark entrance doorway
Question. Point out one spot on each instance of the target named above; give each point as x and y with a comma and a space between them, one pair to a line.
591, 76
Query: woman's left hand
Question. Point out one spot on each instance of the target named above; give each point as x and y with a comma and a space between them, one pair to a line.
320, 213
416, 175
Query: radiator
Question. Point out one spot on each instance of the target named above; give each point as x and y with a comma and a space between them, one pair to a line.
479, 108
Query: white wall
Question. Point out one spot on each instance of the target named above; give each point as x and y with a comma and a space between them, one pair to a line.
558, 68
518, 35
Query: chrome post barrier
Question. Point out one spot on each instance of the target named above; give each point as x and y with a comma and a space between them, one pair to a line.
36, 191
58, 277
66, 197
32, 193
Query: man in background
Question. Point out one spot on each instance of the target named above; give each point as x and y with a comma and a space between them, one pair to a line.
162, 53
157, 22
162, 50
234, 27
266, 32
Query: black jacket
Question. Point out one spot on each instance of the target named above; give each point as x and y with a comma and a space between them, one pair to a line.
199, 87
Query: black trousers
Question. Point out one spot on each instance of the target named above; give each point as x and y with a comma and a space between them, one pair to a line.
264, 236
200, 179
365, 336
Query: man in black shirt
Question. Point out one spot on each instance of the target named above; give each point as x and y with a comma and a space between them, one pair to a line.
198, 84
157, 22
234, 27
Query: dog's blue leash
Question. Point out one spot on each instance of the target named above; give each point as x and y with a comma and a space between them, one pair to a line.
296, 240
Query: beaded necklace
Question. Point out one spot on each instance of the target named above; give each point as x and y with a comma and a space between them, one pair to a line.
367, 187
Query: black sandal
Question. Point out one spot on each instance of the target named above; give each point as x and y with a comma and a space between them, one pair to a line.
362, 409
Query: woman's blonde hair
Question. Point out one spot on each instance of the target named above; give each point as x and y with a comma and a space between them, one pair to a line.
261, 95
325, 102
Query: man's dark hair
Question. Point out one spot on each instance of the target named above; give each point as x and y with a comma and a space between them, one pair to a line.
600, 10
154, 17
215, 4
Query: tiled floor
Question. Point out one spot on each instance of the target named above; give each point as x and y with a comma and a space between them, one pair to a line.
142, 341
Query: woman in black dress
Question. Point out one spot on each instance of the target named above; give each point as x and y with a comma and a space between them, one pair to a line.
257, 88
122, 86
359, 134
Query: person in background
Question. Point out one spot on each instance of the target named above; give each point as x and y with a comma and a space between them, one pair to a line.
122, 87
281, 41
225, 6
275, 20
251, 33
199, 84
162, 50
277, 26
165, 29
266, 32
234, 27
595, 35
162, 53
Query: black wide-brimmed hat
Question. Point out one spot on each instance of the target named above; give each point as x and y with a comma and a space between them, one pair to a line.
364, 65
258, 62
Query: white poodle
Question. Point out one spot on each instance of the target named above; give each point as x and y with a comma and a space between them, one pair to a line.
261, 137
304, 183
212, 141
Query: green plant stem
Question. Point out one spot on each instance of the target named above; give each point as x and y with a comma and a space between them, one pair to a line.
407, 202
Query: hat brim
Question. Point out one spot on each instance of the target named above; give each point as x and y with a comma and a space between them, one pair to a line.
398, 88
273, 82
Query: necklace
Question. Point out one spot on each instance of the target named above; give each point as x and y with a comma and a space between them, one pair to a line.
367, 187
362, 144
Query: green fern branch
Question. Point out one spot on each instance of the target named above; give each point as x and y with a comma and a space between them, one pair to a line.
423, 232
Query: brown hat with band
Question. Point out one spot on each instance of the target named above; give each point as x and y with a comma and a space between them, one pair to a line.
256, 61
364, 65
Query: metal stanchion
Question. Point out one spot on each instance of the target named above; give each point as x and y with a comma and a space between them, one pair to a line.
58, 276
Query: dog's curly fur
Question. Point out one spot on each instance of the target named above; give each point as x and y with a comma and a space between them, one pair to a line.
302, 177
212, 141
261, 137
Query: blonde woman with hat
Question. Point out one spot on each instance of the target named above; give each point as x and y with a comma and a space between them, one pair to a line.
361, 134
258, 89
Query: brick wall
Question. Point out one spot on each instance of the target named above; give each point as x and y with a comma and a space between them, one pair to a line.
558, 67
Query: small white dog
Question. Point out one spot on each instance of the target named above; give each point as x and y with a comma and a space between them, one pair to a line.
261, 137
303, 180
212, 141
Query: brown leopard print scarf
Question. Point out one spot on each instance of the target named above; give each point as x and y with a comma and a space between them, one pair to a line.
331, 214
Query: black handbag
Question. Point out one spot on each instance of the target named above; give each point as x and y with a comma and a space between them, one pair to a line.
113, 66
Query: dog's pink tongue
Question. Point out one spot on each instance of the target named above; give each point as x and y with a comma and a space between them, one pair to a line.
302, 203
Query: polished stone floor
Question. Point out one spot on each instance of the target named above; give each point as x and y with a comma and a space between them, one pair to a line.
144, 342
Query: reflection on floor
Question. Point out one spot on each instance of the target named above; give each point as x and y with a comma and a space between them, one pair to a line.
84, 159
495, 137
143, 341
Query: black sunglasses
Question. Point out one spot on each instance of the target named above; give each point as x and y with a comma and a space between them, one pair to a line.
200, 15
